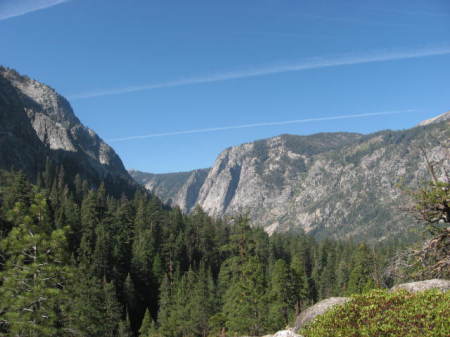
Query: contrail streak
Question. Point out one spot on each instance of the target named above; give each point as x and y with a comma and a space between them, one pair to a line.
256, 125
13, 8
315, 63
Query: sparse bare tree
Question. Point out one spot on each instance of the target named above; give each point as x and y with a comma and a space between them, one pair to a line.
430, 205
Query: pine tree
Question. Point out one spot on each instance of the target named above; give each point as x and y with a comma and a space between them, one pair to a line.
122, 236
157, 269
113, 309
89, 222
327, 282
34, 272
132, 303
141, 265
361, 278
244, 306
282, 295
301, 284
342, 275
124, 328
200, 303
78, 187
17, 190
166, 303
147, 326
101, 266
93, 301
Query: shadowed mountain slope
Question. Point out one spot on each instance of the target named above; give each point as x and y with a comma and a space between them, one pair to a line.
37, 124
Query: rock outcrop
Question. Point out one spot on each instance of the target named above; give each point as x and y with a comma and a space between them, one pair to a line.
317, 309
332, 184
37, 124
286, 333
178, 189
414, 287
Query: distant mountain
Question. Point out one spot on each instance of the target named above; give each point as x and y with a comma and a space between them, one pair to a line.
440, 118
37, 124
329, 184
180, 189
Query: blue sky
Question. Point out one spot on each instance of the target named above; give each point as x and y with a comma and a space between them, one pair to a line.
186, 73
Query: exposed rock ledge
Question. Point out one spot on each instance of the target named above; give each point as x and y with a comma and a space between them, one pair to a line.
414, 287
286, 333
317, 309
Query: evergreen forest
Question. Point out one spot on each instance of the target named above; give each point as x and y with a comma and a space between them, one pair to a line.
78, 261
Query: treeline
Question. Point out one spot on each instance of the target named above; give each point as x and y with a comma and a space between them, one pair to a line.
78, 262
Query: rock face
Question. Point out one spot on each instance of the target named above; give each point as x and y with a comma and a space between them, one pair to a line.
317, 309
286, 333
178, 189
442, 117
37, 123
332, 184
414, 287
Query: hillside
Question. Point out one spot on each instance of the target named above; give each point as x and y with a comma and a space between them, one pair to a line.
333, 184
37, 124
440, 118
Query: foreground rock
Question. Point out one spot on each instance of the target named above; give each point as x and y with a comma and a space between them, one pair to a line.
317, 309
286, 333
320, 308
414, 287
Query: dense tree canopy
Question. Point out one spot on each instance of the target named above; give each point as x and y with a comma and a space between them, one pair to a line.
71, 258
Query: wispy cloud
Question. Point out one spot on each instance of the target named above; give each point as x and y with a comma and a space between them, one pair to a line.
257, 125
13, 8
443, 14
307, 64
348, 20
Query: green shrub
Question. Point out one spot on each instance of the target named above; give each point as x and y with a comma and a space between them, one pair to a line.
380, 313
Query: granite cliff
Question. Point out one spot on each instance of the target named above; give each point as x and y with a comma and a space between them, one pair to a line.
330, 184
37, 124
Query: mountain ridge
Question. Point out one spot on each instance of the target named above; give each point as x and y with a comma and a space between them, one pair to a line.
439, 118
320, 183
49, 129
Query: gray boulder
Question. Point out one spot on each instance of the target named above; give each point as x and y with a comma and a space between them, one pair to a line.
317, 309
286, 333
414, 287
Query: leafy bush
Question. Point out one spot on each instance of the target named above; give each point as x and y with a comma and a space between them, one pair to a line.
381, 313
